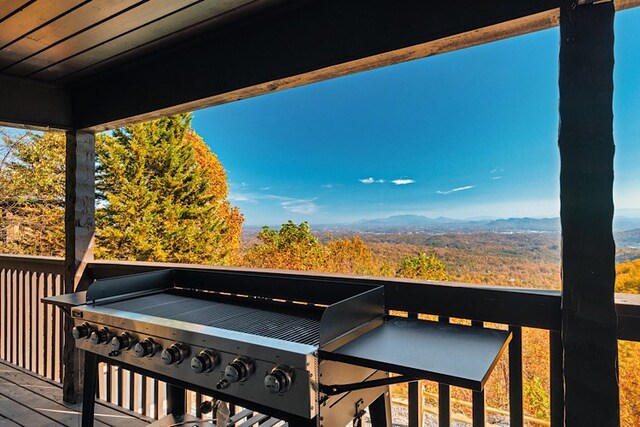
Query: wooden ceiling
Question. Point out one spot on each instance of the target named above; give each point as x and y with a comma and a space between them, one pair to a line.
62, 40
99, 64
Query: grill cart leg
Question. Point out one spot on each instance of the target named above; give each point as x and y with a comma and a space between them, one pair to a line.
175, 400
89, 384
380, 410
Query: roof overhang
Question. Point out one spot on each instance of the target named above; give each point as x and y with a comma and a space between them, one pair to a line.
253, 48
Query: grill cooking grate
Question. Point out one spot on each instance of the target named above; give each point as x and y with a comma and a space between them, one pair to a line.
301, 328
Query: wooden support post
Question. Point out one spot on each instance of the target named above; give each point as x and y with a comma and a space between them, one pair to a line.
586, 195
79, 223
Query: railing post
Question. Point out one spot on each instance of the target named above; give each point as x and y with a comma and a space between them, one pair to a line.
586, 211
444, 396
79, 225
516, 416
415, 397
477, 397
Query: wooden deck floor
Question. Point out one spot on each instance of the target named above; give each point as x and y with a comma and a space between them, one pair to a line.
29, 400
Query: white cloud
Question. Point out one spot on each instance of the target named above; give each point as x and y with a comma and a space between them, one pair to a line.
238, 197
289, 204
299, 206
497, 177
496, 170
371, 180
403, 181
327, 186
454, 190
265, 188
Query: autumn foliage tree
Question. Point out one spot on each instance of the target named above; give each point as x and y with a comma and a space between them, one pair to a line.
163, 196
422, 266
295, 247
32, 192
292, 247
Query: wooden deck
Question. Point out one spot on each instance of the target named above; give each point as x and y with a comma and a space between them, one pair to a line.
30, 400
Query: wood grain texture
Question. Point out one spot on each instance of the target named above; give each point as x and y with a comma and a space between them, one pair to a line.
190, 15
8, 8
66, 26
45, 397
79, 242
33, 16
586, 211
120, 24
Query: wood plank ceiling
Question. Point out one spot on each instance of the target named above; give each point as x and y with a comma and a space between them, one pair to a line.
61, 40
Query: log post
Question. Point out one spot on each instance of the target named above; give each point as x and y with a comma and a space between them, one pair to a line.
586, 195
79, 224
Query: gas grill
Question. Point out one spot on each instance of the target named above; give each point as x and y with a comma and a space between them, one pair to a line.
299, 348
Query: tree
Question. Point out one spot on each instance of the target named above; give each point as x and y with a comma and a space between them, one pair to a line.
293, 247
32, 192
422, 266
628, 277
219, 191
158, 201
353, 256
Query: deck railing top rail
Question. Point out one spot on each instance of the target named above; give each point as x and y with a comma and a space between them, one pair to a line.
526, 307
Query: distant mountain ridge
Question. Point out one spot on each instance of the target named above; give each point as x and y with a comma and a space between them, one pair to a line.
398, 223
627, 229
424, 224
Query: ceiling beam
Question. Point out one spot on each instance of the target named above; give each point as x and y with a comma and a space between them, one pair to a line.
27, 103
294, 44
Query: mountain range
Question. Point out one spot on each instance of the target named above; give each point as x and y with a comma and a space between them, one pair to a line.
627, 229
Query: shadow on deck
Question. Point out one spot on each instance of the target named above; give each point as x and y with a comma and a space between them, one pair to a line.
30, 400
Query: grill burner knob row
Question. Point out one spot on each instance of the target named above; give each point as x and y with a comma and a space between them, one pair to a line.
82, 331
147, 347
205, 361
238, 370
175, 354
279, 379
103, 336
124, 342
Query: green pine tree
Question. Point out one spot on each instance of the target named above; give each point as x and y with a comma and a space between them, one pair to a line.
155, 202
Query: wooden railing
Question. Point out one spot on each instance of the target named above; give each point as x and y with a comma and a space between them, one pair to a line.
31, 336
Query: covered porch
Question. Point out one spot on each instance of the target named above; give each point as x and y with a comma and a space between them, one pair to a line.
204, 53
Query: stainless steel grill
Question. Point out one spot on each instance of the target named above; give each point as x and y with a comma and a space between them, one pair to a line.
312, 354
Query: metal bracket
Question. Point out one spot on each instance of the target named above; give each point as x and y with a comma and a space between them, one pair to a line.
360, 411
581, 2
332, 390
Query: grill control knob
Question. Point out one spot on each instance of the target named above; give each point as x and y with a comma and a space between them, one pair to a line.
175, 354
205, 361
124, 342
147, 347
238, 370
279, 379
103, 336
82, 331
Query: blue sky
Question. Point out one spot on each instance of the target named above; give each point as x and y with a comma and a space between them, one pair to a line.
468, 134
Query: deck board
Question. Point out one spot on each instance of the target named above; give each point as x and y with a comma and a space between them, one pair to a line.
26, 399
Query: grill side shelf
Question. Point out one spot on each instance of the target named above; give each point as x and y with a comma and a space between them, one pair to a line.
458, 355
